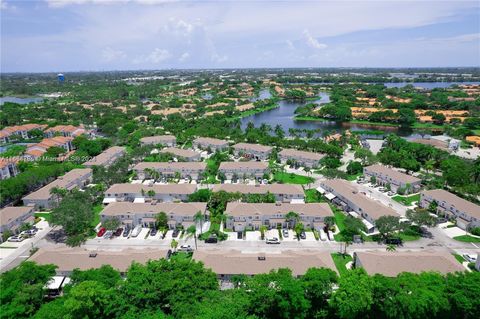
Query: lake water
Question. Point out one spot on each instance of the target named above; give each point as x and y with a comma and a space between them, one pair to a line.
427, 85
20, 100
284, 115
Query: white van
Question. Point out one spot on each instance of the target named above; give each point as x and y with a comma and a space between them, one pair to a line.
136, 231
323, 236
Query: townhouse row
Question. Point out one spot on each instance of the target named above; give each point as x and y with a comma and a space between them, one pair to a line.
8, 134
394, 179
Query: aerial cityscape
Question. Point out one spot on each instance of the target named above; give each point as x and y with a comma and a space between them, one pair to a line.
239, 159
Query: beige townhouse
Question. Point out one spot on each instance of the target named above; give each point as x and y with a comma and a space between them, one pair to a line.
107, 157
188, 155
243, 169
387, 176
214, 144
140, 193
189, 170
302, 158
253, 151
167, 140
283, 192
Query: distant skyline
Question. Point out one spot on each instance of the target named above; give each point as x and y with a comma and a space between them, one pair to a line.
102, 35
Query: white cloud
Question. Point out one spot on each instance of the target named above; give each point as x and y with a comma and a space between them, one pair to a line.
184, 56
312, 42
155, 57
290, 44
64, 3
109, 54
4, 5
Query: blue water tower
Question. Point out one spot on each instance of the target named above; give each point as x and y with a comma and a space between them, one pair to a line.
61, 78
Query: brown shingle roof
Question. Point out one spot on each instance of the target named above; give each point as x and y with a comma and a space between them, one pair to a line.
234, 262
290, 152
180, 152
211, 141
9, 214
173, 166
243, 165
287, 189
158, 189
157, 139
452, 199
250, 209
393, 263
182, 209
105, 156
252, 147
395, 175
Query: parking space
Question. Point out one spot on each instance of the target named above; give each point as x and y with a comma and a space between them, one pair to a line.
253, 235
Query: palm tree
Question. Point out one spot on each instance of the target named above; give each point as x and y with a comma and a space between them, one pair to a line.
329, 221
198, 218
292, 218
391, 247
192, 231
151, 193
174, 245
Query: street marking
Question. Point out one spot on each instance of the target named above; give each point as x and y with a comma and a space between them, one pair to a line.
474, 245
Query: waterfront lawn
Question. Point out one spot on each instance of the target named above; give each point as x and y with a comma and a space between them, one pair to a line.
341, 261
310, 118
313, 196
406, 200
373, 123
467, 239
418, 125
290, 178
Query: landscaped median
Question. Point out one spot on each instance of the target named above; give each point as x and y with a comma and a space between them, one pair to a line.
467, 239
290, 178
407, 200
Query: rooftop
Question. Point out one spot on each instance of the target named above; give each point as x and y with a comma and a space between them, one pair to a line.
452, 199
393, 263
68, 259
287, 189
174, 166
302, 154
157, 139
211, 141
234, 262
243, 165
9, 214
395, 175
127, 188
373, 208
183, 209
249, 209
105, 156
253, 147
180, 152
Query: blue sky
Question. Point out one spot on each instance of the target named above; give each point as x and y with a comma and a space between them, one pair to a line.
72, 35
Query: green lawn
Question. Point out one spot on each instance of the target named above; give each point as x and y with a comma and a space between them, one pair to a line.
310, 118
373, 123
339, 221
44, 215
467, 239
340, 262
408, 237
290, 178
97, 209
418, 125
406, 200
180, 255
313, 196
459, 258
353, 177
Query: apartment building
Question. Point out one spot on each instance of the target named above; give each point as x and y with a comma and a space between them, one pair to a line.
10, 133
107, 157
37, 150
391, 264
228, 263
42, 199
12, 218
67, 259
139, 193
189, 170
347, 196
387, 176
213, 144
188, 155
302, 158
467, 214
167, 140
243, 216
8, 168
180, 215
283, 192
253, 151
243, 169
65, 130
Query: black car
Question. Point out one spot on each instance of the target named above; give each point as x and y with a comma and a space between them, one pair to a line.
175, 233
303, 235
126, 232
211, 240
153, 232
239, 235
118, 232
393, 241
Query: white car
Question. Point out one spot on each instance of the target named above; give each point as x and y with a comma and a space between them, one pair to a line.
28, 233
108, 234
16, 239
470, 258
186, 248
273, 240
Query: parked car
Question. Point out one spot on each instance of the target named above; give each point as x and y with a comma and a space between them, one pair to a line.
393, 241
15, 239
273, 240
185, 248
153, 232
211, 240
108, 234
441, 220
285, 233
136, 231
101, 232
126, 232
303, 235
323, 236
470, 258
175, 233
390, 193
239, 235
28, 233
118, 232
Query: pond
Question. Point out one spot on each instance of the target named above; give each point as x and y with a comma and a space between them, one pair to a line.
427, 85
19, 100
